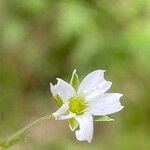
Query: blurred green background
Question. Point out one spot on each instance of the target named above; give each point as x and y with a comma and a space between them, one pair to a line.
44, 39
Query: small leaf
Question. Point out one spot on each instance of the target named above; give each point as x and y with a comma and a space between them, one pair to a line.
102, 118
73, 124
74, 80
59, 101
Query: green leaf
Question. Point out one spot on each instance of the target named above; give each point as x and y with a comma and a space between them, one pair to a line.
102, 118
74, 80
59, 101
73, 124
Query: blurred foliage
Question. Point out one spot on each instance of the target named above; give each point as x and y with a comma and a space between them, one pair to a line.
44, 39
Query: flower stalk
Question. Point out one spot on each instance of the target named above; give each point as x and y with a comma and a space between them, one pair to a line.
16, 137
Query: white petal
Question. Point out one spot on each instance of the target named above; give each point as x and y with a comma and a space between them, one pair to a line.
52, 88
67, 116
90, 80
107, 104
93, 85
61, 111
86, 127
63, 89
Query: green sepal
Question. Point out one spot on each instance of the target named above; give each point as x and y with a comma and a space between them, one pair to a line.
102, 118
73, 124
59, 101
74, 80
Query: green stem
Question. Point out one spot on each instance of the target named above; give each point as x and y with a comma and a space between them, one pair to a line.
11, 140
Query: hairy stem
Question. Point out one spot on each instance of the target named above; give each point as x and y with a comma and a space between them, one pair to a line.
11, 140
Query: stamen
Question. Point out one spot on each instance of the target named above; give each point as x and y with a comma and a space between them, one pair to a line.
77, 105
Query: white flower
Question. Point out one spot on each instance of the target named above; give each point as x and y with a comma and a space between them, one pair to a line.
81, 105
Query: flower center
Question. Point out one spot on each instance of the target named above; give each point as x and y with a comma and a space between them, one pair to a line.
77, 104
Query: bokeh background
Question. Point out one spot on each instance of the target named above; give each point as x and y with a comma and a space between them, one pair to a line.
44, 39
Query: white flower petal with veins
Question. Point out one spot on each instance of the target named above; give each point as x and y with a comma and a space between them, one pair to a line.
63, 89
67, 116
94, 85
86, 127
91, 81
107, 104
61, 111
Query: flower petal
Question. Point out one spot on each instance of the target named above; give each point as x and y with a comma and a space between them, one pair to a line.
67, 116
52, 89
93, 85
107, 104
61, 111
63, 89
86, 127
